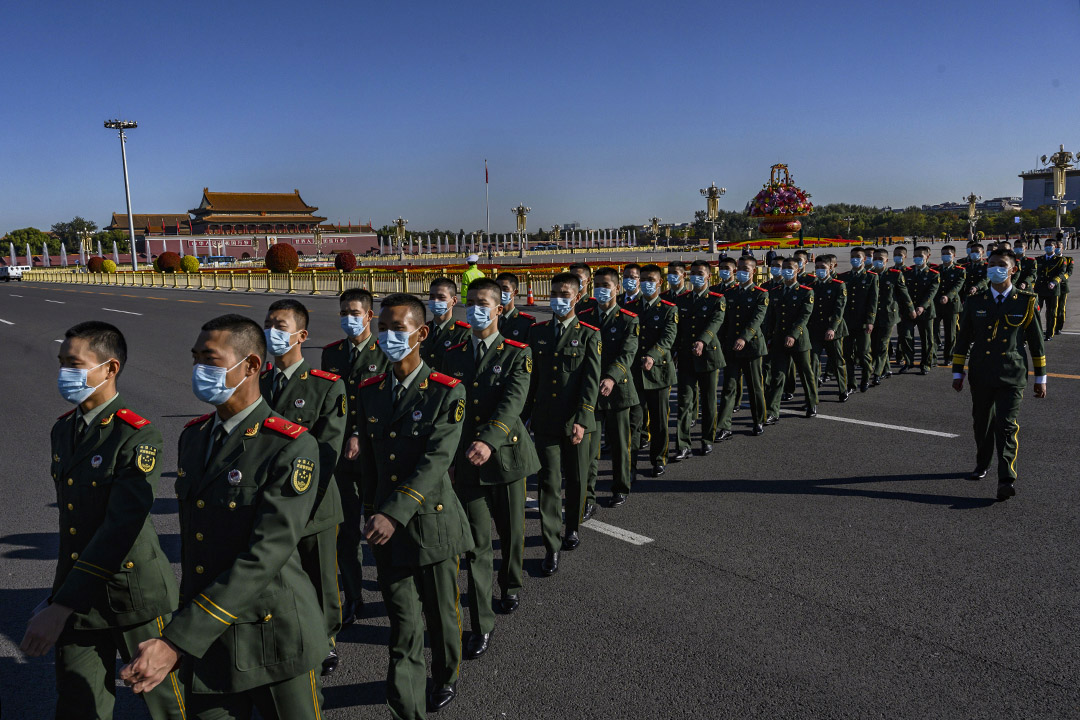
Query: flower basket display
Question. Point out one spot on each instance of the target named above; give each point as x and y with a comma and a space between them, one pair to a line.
780, 204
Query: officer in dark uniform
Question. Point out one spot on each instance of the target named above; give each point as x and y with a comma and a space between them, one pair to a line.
410, 423
827, 327
699, 359
995, 326
1064, 297
948, 301
893, 301
443, 331
315, 399
922, 282
113, 587
513, 323
860, 312
788, 338
1050, 273
250, 632
744, 346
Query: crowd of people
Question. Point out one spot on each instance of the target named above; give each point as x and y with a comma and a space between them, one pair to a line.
417, 436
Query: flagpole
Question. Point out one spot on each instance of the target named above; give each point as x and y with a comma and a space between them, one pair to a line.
487, 202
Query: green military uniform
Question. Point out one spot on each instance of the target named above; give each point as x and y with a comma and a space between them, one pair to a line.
250, 626
922, 283
995, 333
625, 299
565, 384
673, 295
974, 278
701, 319
746, 308
790, 307
947, 315
585, 305
859, 311
1064, 298
1025, 276
830, 299
316, 399
893, 299
355, 363
407, 447
441, 337
1050, 270
110, 569
515, 325
658, 324
496, 382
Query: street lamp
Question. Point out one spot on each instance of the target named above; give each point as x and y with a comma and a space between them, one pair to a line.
521, 211
712, 210
121, 126
973, 215
654, 229
849, 219
1061, 161
399, 233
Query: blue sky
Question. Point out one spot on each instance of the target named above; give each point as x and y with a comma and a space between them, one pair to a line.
601, 113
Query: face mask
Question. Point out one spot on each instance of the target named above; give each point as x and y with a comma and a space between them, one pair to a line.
603, 295
673, 278
395, 344
974, 256
879, 264
72, 384
856, 263
697, 281
277, 341
801, 263
997, 274
649, 288
630, 284
898, 259
478, 317
775, 271
209, 384
742, 276
788, 273
918, 260
946, 258
561, 306
353, 325
725, 274
438, 308
506, 298
1057, 251
1018, 250
1049, 251
821, 273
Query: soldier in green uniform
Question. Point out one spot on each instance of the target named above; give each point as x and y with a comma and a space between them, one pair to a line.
562, 412
699, 357
113, 587
827, 327
631, 284
744, 346
1063, 299
443, 331
975, 271
585, 300
676, 282
249, 632
654, 367
1049, 274
948, 301
315, 399
775, 278
494, 457
586, 304
726, 271
893, 301
355, 358
513, 324
788, 337
995, 326
922, 282
860, 313
410, 423
1027, 270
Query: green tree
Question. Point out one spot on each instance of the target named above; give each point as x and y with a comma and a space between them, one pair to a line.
35, 237
69, 231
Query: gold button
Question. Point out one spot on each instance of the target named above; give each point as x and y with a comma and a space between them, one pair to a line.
199, 536
554, 395
393, 434
554, 382
393, 478
475, 402
199, 569
200, 504
70, 506
269, 617
476, 384
232, 505
54, 476
556, 354
393, 456
74, 556
477, 419
129, 564
71, 530
352, 412
438, 508
93, 484
513, 439
70, 481
352, 397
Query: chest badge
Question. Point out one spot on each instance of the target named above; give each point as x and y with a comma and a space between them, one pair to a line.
516, 332
235, 476
55, 458
417, 416
95, 462
655, 318
496, 369
574, 343
299, 402
372, 367
446, 344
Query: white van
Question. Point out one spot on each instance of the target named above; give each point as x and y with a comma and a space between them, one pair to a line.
13, 272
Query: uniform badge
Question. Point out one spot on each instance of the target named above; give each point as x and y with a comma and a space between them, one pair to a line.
516, 332
574, 343
145, 458
299, 402
180, 472
373, 419
528, 365
446, 344
303, 472
252, 431
614, 329
344, 406
106, 420
334, 370
459, 410
656, 317
55, 458
417, 416
235, 476
496, 369
95, 462
373, 367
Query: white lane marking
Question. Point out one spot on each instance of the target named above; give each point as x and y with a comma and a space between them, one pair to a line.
604, 528
1060, 332
126, 312
904, 428
14, 295
59, 341
6, 322
58, 302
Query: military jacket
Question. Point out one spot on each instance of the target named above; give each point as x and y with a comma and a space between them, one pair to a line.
995, 336
722, 287
565, 378
788, 316
1048, 271
746, 308
585, 305
407, 449
975, 277
672, 296
370, 360
953, 279
658, 327
496, 390
893, 296
438, 340
772, 282
619, 335
830, 299
625, 300
862, 298
515, 326
248, 614
701, 319
110, 569
1068, 273
1025, 276
923, 286
315, 399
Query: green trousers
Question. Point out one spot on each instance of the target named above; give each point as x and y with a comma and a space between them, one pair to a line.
1054, 309
739, 368
617, 433
594, 461
1063, 301
833, 349
879, 347
86, 672
782, 359
413, 595
946, 325
857, 354
560, 458
994, 411
349, 553
318, 557
657, 411
299, 697
696, 390
505, 503
906, 340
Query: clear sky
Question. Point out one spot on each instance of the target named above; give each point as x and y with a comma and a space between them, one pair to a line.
597, 112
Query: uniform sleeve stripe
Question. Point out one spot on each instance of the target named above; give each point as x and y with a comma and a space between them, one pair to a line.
217, 606
502, 426
96, 567
92, 572
412, 494
210, 613
959, 359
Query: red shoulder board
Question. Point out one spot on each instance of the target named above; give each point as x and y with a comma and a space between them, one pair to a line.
838, 280
283, 426
758, 287
455, 347
268, 368
586, 311
373, 379
934, 265
527, 316
132, 419
66, 414
198, 420
668, 302
591, 327
806, 287
893, 270
463, 324
714, 294
871, 272
934, 271
444, 379
515, 343
333, 344
325, 375
624, 311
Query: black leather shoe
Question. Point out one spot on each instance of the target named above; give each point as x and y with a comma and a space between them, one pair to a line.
571, 541
706, 448
924, 370
845, 395
864, 385
657, 470
723, 435
550, 566
684, 454
618, 499
887, 375
811, 411
875, 381
824, 378
1005, 490
772, 420
509, 602
758, 429
787, 396
352, 611
442, 697
977, 474
590, 510
903, 369
477, 645
330, 663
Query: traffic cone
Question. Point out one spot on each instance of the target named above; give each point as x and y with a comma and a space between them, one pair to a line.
529, 299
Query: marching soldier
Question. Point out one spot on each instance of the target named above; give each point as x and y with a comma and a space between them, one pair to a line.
1063, 299
1027, 268
586, 305
315, 399
1050, 273
775, 278
676, 281
788, 336
631, 284
726, 271
562, 411
744, 346
513, 323
975, 275
827, 327
249, 632
948, 301
893, 301
860, 312
585, 301
113, 587
410, 423
699, 359
443, 331
995, 326
923, 282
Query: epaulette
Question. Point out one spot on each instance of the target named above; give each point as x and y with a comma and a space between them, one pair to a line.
198, 420
463, 324
838, 280
515, 343
527, 316
806, 287
624, 311
934, 271
872, 272
455, 347
66, 414
444, 379
591, 327
583, 312
335, 344
892, 269
283, 426
268, 368
373, 379
758, 287
715, 294
667, 302
132, 418
325, 375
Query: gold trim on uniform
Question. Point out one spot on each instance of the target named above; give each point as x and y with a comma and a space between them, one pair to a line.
146, 458
303, 472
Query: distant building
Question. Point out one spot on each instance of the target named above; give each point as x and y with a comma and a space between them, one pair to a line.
1039, 187
153, 223
571, 226
222, 213
993, 205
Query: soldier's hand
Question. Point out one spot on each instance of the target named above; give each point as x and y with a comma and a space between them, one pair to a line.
944, 300
43, 629
698, 348
577, 434
606, 386
1051, 285
739, 344
380, 528
1040, 390
919, 311
958, 384
352, 448
913, 315
789, 341
153, 661
478, 453
648, 363
869, 328
830, 334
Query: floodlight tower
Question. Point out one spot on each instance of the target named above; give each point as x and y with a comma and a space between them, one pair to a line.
521, 212
1061, 161
120, 126
712, 210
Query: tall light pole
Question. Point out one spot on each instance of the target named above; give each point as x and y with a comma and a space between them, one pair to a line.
121, 126
712, 211
1061, 161
654, 229
849, 219
399, 233
973, 215
521, 211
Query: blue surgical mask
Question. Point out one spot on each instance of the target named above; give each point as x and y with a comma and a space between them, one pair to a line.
506, 298
856, 263
438, 308
649, 288
477, 316
918, 260
1049, 251
277, 341
353, 325
879, 264
673, 278
946, 258
630, 285
788, 273
602, 295
898, 259
209, 384
725, 274
742, 276
395, 344
997, 274
822, 273
774, 271
974, 255
1057, 251
1018, 251
561, 306
72, 383
698, 281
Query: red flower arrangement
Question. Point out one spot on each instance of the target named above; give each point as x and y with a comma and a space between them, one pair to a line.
780, 196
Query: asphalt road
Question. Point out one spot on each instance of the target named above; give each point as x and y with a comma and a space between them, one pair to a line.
839, 567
